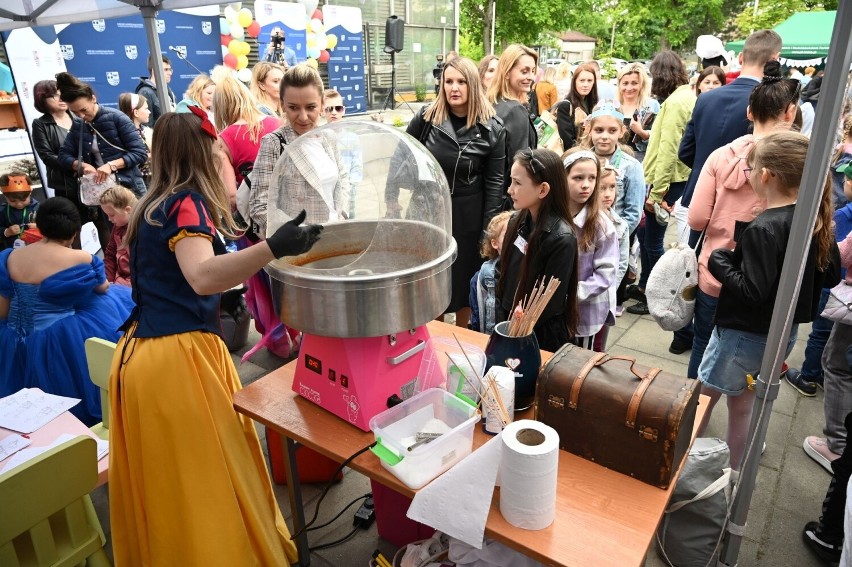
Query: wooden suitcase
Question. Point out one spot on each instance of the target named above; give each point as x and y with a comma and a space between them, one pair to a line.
610, 410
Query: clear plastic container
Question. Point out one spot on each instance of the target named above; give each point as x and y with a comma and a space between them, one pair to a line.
436, 370
431, 411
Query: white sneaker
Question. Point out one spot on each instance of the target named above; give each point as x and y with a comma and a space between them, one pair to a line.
817, 449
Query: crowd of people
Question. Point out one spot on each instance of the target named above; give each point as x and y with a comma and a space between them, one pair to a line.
185, 217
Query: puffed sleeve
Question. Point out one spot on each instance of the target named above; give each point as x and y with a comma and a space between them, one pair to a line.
187, 215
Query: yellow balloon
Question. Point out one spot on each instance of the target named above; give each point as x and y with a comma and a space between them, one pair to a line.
246, 48
331, 39
311, 41
312, 62
244, 17
234, 46
242, 62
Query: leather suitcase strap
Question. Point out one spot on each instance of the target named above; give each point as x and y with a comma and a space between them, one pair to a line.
633, 406
581, 377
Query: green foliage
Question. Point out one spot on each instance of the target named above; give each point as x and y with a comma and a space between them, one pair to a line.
470, 48
398, 122
771, 13
420, 92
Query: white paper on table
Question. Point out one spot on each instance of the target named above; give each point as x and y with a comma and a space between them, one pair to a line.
30, 409
25, 455
11, 445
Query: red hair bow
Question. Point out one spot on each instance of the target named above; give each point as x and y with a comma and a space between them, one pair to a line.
206, 125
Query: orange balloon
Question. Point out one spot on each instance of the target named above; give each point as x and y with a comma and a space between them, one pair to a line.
254, 29
230, 60
324, 56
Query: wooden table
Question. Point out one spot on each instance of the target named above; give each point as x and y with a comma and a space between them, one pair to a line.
603, 517
65, 423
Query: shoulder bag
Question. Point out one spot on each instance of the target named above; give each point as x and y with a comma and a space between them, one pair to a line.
838, 308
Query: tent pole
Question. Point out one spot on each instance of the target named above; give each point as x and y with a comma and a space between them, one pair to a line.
827, 117
149, 18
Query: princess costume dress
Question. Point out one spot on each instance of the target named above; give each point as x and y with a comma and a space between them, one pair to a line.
42, 340
188, 480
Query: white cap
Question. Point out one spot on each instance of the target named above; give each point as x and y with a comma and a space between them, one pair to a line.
709, 47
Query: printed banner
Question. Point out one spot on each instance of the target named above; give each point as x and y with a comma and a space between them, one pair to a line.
289, 17
346, 62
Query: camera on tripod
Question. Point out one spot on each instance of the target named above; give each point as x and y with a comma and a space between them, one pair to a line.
437, 70
277, 38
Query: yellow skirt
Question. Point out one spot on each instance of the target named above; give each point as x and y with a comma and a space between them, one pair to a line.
188, 483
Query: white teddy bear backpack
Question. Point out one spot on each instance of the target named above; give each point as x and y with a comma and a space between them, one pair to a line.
672, 287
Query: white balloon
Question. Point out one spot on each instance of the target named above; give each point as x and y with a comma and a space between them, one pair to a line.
237, 32
230, 14
244, 75
235, 6
322, 41
225, 50
310, 6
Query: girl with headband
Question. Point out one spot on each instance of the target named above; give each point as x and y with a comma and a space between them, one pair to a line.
540, 243
597, 244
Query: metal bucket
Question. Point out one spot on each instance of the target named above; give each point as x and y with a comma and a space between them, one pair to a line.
366, 279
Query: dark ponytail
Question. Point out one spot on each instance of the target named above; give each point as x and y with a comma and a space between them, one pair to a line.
773, 95
71, 88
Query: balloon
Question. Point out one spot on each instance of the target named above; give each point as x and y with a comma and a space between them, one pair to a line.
235, 6
253, 29
316, 26
317, 15
314, 52
244, 75
224, 26
311, 41
230, 14
230, 60
234, 46
331, 41
225, 51
244, 17
225, 40
322, 41
246, 48
242, 62
237, 31
312, 62
310, 5
324, 56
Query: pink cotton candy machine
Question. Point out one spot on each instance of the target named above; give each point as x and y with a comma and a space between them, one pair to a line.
363, 294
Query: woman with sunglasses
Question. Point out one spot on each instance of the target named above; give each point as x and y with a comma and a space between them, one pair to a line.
724, 202
111, 145
461, 131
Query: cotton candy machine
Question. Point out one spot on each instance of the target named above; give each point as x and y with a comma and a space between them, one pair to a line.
363, 294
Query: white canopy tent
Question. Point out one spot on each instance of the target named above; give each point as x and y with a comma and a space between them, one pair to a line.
16, 14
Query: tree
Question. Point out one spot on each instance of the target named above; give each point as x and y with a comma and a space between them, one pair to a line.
757, 15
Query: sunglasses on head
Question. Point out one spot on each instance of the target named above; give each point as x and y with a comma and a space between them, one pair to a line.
337, 109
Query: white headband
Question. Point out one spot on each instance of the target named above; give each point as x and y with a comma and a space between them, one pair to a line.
134, 101
583, 154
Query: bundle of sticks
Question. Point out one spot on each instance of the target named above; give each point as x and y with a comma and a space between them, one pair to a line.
485, 387
526, 314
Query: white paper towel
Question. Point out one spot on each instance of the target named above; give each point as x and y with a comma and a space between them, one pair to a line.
457, 502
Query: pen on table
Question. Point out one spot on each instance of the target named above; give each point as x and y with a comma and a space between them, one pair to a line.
380, 559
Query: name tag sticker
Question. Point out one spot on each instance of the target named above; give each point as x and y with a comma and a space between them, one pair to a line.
521, 244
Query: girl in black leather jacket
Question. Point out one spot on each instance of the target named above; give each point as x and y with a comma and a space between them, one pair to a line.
540, 242
750, 275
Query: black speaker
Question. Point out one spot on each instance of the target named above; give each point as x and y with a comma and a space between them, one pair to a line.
394, 34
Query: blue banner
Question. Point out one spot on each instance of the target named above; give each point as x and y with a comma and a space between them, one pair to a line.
346, 61
289, 18
112, 54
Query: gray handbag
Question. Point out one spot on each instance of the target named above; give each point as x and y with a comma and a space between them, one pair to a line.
838, 308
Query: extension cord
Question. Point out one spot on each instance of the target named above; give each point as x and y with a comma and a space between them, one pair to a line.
366, 515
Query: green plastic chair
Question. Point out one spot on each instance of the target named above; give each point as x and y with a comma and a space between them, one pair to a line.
99, 358
48, 517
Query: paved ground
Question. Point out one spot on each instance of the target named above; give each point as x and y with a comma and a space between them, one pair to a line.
789, 491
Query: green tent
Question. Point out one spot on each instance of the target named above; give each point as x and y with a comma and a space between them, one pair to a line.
806, 35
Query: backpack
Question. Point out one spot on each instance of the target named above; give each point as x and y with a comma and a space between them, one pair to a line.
234, 317
244, 190
672, 287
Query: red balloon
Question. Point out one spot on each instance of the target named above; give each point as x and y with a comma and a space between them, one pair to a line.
317, 15
226, 39
230, 60
324, 56
254, 29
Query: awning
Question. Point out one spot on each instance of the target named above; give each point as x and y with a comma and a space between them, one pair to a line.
806, 36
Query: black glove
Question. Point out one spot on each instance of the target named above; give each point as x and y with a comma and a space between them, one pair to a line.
291, 239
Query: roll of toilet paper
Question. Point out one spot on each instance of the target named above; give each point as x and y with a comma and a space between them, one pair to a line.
529, 462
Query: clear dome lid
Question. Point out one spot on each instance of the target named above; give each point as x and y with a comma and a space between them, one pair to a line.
382, 197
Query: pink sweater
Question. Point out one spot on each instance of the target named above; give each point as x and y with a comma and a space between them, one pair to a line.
722, 197
845, 246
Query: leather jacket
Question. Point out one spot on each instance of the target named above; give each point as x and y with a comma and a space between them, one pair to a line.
474, 161
48, 138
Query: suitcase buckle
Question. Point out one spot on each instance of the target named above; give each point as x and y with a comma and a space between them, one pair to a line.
556, 401
648, 433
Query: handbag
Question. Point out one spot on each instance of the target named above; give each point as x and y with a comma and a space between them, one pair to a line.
838, 308
91, 191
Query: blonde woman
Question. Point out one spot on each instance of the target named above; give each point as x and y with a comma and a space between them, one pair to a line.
460, 130
509, 93
172, 381
199, 93
562, 80
266, 87
634, 96
241, 126
546, 91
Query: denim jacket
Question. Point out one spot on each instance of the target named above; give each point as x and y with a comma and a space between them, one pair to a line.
483, 298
